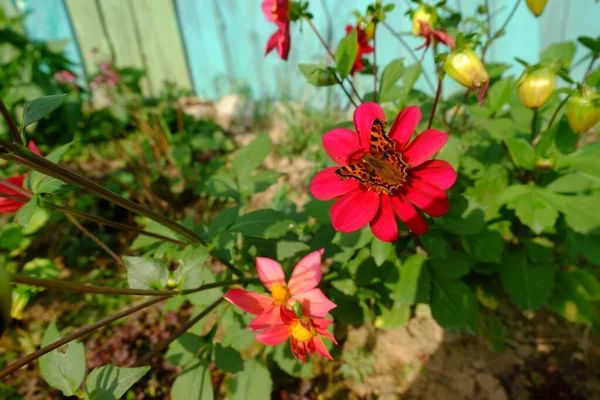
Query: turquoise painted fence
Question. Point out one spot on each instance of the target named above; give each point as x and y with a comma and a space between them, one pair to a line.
222, 41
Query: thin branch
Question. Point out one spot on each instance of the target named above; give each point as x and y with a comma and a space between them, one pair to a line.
339, 81
512, 13
176, 334
495, 36
438, 94
12, 126
16, 188
375, 63
534, 125
560, 106
18, 198
99, 242
75, 335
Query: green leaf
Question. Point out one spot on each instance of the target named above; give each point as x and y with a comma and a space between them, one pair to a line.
193, 384
500, 128
413, 278
266, 224
532, 206
464, 219
493, 330
580, 212
500, 93
562, 52
529, 286
111, 383
587, 285
318, 74
590, 43
251, 156
34, 110
260, 182
346, 54
485, 191
570, 183
184, 350
521, 152
571, 297
25, 213
486, 246
36, 178
291, 248
254, 382
283, 356
5, 300
380, 251
228, 359
454, 306
143, 273
451, 152
223, 221
191, 262
63, 368
143, 241
455, 265
391, 74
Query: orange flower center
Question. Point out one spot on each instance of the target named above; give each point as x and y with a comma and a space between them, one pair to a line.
303, 330
280, 294
278, 12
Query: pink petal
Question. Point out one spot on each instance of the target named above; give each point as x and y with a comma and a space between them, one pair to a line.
326, 185
424, 146
437, 172
267, 9
325, 333
285, 41
274, 336
320, 347
272, 42
407, 213
404, 125
384, 225
354, 210
314, 303
31, 146
266, 320
307, 273
445, 38
364, 115
321, 323
342, 145
253, 303
428, 198
288, 316
269, 272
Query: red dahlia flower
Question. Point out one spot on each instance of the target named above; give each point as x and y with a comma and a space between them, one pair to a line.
10, 205
277, 11
381, 176
362, 42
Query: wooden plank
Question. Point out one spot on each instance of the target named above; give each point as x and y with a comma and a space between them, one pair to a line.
161, 43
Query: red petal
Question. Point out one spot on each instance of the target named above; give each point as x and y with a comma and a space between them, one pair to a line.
444, 38
320, 347
364, 115
427, 197
269, 272
407, 213
306, 274
342, 146
404, 125
437, 172
274, 336
354, 210
384, 225
326, 185
272, 42
314, 303
253, 303
285, 41
267, 320
31, 146
425, 146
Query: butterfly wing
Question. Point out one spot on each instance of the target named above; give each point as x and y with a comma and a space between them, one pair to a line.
397, 162
380, 142
359, 171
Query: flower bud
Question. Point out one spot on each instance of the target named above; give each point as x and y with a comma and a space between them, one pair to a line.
426, 14
466, 68
536, 6
5, 300
536, 86
584, 111
369, 31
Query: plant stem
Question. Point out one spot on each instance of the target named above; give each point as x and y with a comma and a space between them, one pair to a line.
375, 62
18, 198
464, 102
79, 333
99, 242
176, 334
16, 188
560, 106
337, 78
438, 94
534, 123
495, 36
12, 127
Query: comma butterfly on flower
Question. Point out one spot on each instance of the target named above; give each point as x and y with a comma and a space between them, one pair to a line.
383, 170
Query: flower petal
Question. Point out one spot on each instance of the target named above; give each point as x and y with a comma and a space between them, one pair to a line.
272, 42
31, 146
269, 272
288, 316
253, 303
437, 172
307, 273
325, 185
274, 336
354, 210
327, 334
404, 125
269, 319
407, 213
267, 9
384, 225
445, 38
285, 41
314, 303
364, 115
427, 197
320, 347
342, 145
424, 147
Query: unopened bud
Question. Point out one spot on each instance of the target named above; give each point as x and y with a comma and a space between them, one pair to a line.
544, 164
171, 284
537, 86
5, 300
369, 31
536, 6
19, 302
426, 14
466, 68
584, 111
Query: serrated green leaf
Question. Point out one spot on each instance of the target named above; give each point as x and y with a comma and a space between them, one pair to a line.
318, 74
580, 211
184, 350
25, 213
193, 383
454, 305
529, 286
266, 224
455, 265
532, 206
143, 273
562, 52
111, 383
380, 251
345, 54
34, 110
521, 152
414, 279
228, 359
570, 299
251, 156
191, 262
254, 382
486, 246
570, 183
223, 221
394, 317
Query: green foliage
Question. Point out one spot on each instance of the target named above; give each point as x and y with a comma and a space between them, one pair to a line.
110, 383
346, 54
194, 383
143, 273
253, 382
5, 300
35, 110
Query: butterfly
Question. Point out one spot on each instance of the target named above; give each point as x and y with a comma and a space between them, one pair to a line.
383, 170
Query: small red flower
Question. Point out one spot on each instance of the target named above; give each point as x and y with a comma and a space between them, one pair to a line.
277, 11
429, 34
362, 42
9, 205
418, 182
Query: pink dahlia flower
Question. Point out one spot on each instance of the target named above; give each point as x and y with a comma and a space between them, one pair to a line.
383, 176
277, 12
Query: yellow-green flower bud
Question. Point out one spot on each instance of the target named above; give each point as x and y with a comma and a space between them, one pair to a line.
583, 112
5, 300
426, 14
19, 302
537, 6
466, 68
536, 86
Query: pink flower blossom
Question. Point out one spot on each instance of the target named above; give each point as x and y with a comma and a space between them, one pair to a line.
302, 287
277, 12
11, 205
65, 77
387, 175
363, 47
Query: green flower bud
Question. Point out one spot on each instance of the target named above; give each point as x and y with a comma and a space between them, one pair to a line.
466, 68
5, 300
426, 14
583, 112
536, 6
536, 86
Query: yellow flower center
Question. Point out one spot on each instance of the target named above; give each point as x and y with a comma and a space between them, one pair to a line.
303, 332
280, 294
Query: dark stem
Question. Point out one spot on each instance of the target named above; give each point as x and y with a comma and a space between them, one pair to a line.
12, 127
464, 101
534, 123
337, 78
75, 335
176, 334
18, 198
16, 188
99, 242
375, 63
495, 36
560, 106
438, 94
